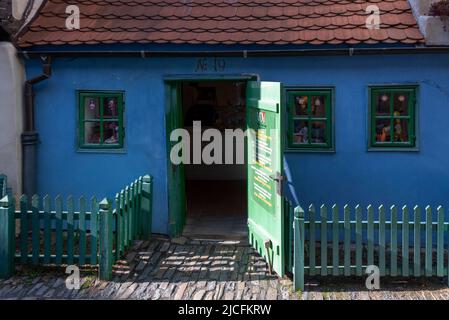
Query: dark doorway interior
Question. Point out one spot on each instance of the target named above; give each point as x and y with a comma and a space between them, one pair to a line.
215, 194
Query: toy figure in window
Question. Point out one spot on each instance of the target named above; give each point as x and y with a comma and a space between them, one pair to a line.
397, 130
399, 134
92, 104
111, 133
317, 133
382, 133
302, 132
318, 106
301, 105
110, 110
383, 105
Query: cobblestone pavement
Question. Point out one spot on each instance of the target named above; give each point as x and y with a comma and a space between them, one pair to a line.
184, 269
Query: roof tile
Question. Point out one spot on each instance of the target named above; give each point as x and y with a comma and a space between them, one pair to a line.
298, 22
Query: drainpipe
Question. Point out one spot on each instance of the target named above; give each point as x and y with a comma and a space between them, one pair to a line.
30, 137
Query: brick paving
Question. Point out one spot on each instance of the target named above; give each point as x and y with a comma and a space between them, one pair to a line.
203, 270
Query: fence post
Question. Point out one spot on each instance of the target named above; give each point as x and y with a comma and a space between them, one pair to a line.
7, 238
3, 185
146, 206
298, 229
106, 236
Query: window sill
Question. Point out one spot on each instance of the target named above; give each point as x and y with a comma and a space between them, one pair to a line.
109, 151
309, 150
393, 149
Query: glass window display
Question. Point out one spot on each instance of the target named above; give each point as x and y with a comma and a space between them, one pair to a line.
101, 120
310, 119
392, 117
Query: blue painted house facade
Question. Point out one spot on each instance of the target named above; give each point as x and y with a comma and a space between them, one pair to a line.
379, 139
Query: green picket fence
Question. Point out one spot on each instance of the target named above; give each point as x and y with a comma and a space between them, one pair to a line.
398, 241
133, 213
65, 231
3, 185
4, 189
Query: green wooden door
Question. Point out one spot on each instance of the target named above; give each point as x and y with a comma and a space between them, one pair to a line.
265, 219
176, 182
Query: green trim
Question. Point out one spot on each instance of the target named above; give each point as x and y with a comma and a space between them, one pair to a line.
290, 92
263, 221
373, 94
210, 77
174, 120
100, 96
175, 174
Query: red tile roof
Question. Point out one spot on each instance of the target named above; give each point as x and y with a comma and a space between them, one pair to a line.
298, 22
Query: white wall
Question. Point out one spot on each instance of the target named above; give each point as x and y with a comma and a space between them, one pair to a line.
431, 27
36, 6
11, 92
18, 8
421, 7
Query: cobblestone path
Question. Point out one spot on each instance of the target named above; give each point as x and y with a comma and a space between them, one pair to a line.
184, 269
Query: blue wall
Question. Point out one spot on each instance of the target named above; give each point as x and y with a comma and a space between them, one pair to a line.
350, 175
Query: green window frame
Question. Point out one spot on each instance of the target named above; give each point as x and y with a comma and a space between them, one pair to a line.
392, 117
101, 125
310, 128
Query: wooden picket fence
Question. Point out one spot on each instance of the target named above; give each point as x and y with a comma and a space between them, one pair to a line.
66, 232
3, 185
399, 244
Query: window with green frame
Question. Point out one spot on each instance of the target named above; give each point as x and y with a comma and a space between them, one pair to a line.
310, 124
100, 120
392, 117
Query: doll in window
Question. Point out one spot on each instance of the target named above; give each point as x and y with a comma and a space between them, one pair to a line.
317, 133
318, 106
301, 105
111, 133
302, 133
110, 110
398, 132
383, 133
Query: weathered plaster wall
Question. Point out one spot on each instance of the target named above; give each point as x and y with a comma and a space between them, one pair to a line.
432, 28
18, 8
33, 10
11, 92
350, 175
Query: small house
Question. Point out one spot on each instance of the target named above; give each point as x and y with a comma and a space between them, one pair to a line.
348, 102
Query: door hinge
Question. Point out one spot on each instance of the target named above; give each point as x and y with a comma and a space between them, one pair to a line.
269, 245
279, 178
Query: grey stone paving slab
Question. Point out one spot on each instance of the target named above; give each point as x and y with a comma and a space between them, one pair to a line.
204, 270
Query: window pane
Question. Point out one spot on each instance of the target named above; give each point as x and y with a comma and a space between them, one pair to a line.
111, 132
318, 132
383, 104
301, 103
383, 132
110, 107
92, 133
401, 104
319, 106
301, 132
401, 131
91, 108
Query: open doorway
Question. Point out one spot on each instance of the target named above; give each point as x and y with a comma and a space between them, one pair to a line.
216, 194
